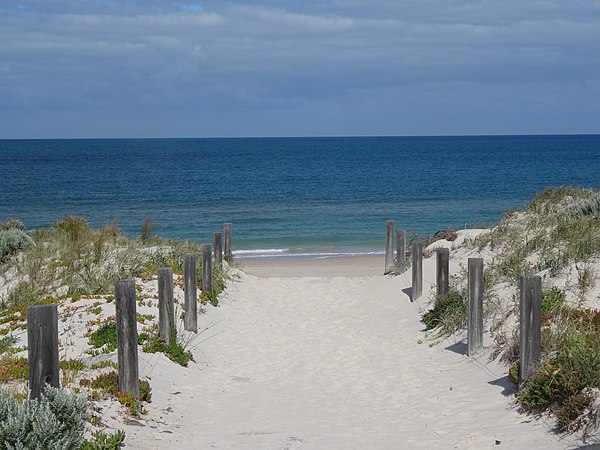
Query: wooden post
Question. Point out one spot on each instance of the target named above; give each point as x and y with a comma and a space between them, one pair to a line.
127, 338
400, 248
218, 243
42, 346
389, 247
207, 275
417, 269
475, 308
166, 308
190, 320
530, 327
227, 232
442, 272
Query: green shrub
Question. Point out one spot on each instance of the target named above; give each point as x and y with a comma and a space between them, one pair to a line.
105, 337
553, 300
12, 241
10, 224
56, 421
104, 441
175, 350
449, 314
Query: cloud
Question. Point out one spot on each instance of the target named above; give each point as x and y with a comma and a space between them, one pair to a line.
274, 64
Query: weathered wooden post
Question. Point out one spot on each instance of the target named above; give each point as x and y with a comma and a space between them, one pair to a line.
190, 320
442, 272
42, 346
218, 242
475, 308
127, 338
207, 275
227, 232
389, 247
417, 269
166, 308
530, 327
400, 248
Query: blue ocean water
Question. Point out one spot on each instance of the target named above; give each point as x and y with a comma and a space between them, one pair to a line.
288, 195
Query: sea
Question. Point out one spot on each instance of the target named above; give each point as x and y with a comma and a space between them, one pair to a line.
289, 197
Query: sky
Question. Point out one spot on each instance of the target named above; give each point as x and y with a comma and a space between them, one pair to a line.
166, 68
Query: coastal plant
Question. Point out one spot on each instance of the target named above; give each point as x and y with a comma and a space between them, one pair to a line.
12, 224
175, 350
147, 229
449, 313
12, 241
108, 383
105, 441
56, 421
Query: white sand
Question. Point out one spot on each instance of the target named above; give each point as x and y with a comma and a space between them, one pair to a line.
318, 356
329, 363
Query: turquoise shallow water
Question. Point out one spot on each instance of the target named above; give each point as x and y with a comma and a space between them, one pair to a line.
289, 195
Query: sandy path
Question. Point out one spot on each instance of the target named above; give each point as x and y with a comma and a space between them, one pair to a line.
328, 363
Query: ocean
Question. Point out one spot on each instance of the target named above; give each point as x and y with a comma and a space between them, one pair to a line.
289, 196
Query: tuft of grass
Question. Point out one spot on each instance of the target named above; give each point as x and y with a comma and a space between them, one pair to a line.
13, 368
448, 314
105, 337
103, 441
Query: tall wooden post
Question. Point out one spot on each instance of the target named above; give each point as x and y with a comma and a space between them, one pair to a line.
207, 275
127, 338
166, 307
227, 232
389, 247
190, 320
42, 347
475, 308
442, 272
417, 269
530, 327
218, 243
400, 247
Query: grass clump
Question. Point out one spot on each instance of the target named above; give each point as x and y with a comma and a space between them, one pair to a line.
104, 441
565, 383
449, 313
105, 337
13, 368
174, 350
108, 383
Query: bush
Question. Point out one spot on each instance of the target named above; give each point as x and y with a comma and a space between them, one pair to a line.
450, 313
55, 421
12, 241
104, 441
553, 300
10, 223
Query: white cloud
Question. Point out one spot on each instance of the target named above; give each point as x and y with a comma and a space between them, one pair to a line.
280, 59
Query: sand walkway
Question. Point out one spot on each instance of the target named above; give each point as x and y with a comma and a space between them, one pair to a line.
328, 363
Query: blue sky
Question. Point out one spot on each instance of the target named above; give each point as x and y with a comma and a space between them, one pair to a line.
150, 68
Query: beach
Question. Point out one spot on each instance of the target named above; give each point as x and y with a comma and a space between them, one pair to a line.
293, 359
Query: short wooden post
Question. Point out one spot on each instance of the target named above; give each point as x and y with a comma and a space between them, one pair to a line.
389, 247
42, 346
530, 327
207, 275
417, 269
218, 243
400, 248
442, 278
127, 338
166, 308
190, 320
475, 307
227, 232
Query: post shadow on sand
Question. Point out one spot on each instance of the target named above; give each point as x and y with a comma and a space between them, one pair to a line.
508, 387
459, 347
408, 291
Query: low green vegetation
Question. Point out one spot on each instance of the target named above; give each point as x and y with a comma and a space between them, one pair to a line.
108, 384
72, 256
449, 313
105, 441
56, 421
175, 350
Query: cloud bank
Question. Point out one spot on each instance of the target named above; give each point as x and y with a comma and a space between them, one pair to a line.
104, 68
